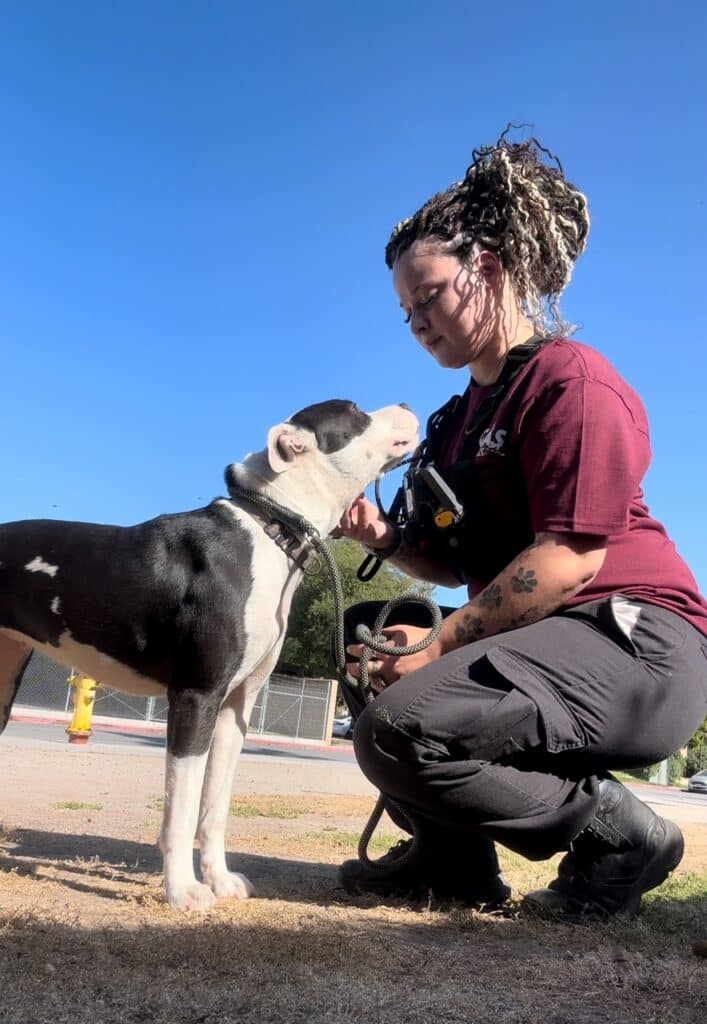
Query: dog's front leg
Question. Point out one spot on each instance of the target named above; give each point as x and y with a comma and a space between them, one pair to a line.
190, 724
227, 744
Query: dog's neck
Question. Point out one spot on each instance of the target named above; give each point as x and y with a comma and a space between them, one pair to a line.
300, 497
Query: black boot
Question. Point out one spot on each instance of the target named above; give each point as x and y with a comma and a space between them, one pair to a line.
625, 850
451, 867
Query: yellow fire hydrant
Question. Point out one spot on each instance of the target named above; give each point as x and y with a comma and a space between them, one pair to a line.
79, 729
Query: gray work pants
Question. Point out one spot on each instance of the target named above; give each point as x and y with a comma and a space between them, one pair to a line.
508, 737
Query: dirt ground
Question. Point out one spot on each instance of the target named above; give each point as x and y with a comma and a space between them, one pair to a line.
86, 936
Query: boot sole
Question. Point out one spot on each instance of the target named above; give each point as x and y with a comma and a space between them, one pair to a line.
420, 890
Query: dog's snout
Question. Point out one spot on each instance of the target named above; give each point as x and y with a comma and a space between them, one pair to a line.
404, 405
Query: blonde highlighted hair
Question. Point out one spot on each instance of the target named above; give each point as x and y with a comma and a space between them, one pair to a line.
514, 203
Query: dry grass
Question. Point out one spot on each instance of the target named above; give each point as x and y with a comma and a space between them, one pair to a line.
271, 806
77, 805
86, 937
265, 805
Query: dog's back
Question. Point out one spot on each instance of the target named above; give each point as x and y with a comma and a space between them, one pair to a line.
135, 594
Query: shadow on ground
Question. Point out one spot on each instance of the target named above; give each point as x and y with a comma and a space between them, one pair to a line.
81, 858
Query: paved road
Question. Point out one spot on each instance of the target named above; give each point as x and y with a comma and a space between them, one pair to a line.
664, 795
123, 740
687, 806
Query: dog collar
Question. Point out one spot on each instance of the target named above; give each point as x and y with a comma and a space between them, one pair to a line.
299, 549
291, 532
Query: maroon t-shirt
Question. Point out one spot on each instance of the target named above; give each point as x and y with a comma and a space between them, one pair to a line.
565, 451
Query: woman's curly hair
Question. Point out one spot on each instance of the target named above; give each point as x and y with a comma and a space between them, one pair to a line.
514, 203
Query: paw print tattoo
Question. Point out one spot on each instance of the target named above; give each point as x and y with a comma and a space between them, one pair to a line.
491, 597
524, 581
472, 628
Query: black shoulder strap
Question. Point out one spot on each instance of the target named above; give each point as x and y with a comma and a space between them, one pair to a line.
437, 426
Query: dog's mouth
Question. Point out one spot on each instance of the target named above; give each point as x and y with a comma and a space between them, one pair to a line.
401, 448
401, 430
391, 464
406, 440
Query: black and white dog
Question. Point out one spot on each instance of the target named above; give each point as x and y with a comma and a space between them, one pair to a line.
194, 606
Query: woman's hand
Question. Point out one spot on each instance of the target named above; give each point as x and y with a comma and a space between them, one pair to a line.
364, 523
384, 670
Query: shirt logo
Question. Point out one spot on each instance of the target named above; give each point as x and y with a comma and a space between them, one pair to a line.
492, 441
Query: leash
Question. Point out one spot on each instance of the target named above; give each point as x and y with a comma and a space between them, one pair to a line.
373, 641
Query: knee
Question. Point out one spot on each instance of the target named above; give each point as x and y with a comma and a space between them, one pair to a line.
364, 741
386, 753
376, 746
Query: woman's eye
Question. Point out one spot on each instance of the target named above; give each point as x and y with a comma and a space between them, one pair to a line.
423, 302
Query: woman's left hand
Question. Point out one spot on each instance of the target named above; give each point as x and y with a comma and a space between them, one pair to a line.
382, 670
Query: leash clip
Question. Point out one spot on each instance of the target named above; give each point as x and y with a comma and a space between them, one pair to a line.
279, 533
300, 551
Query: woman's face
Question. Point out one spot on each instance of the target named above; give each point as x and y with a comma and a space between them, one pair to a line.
452, 309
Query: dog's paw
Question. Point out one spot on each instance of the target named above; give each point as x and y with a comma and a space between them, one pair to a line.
192, 897
231, 884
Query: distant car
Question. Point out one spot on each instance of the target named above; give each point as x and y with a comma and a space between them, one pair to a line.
343, 727
698, 783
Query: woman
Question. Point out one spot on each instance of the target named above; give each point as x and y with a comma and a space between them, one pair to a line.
583, 645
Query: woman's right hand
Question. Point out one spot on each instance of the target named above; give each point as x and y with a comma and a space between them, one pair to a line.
364, 523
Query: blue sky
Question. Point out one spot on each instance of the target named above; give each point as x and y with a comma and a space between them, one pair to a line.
196, 197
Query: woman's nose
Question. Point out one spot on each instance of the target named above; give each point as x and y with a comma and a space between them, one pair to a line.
418, 323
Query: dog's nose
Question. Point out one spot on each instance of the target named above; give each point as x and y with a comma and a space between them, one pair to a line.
404, 405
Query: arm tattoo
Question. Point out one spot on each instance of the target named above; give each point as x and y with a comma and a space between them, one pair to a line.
528, 616
524, 581
469, 629
491, 597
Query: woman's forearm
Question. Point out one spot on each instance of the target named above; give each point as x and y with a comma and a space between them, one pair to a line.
410, 561
541, 579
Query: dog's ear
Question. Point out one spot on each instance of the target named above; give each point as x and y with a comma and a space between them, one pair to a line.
285, 443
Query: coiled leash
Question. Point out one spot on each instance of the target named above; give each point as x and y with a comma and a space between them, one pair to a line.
295, 535
376, 642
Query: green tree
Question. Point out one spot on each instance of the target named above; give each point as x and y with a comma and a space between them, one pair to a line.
307, 648
697, 751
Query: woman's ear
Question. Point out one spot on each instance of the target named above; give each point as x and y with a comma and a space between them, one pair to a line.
490, 268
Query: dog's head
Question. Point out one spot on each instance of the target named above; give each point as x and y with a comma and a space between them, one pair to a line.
321, 458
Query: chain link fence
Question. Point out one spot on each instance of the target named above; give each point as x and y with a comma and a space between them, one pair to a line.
297, 708
302, 708
45, 685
